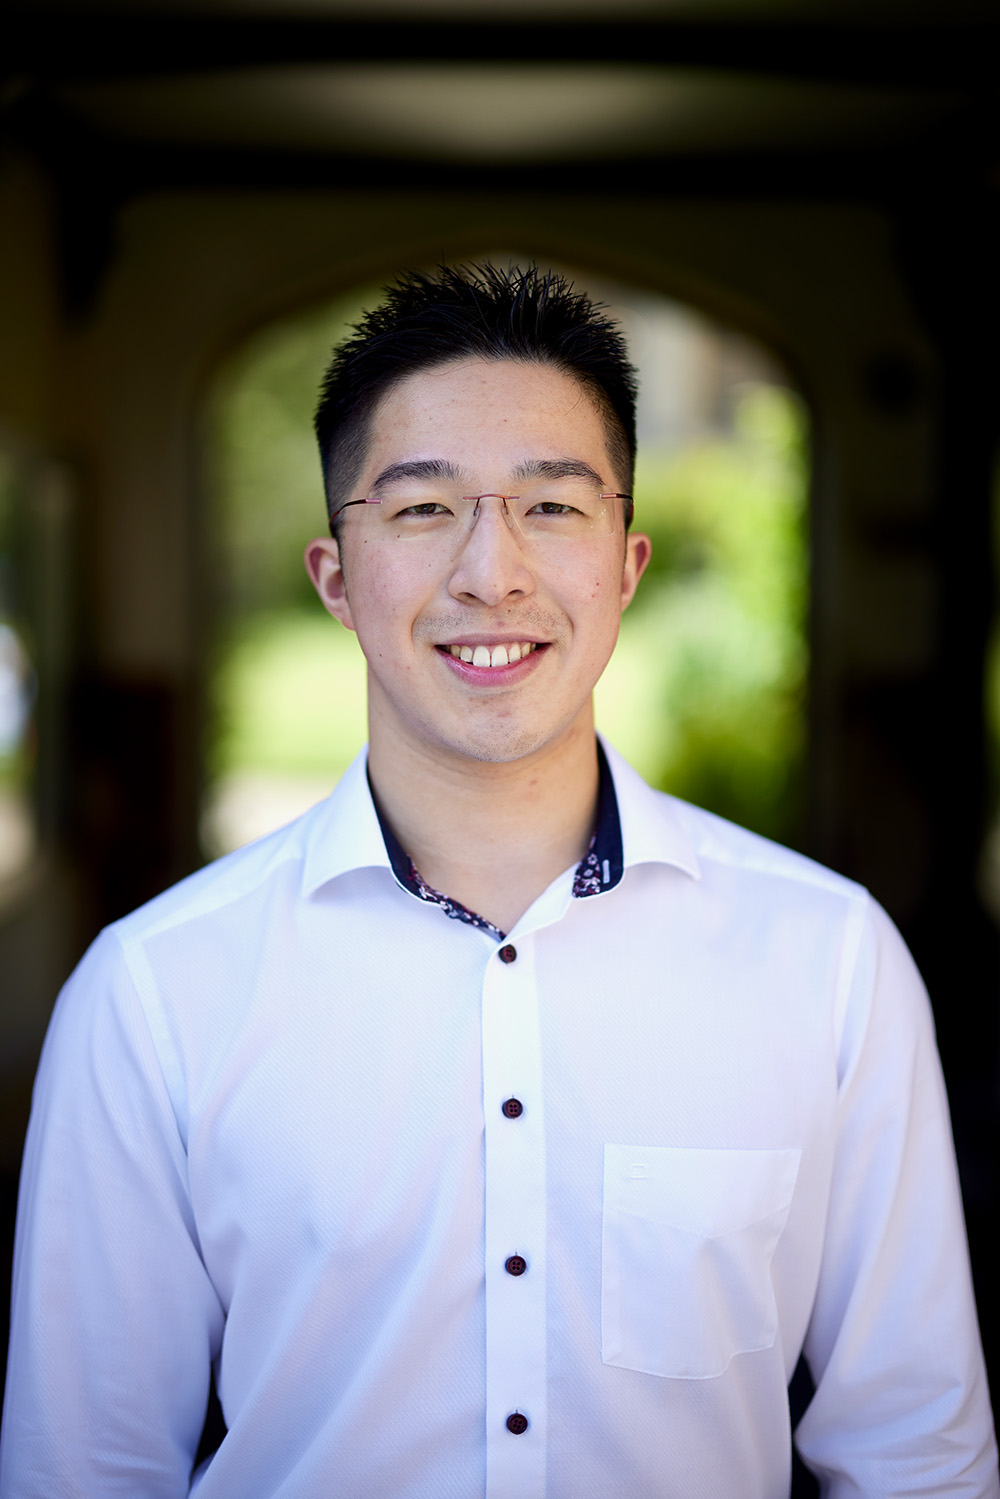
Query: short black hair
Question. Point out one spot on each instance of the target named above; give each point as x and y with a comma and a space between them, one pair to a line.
472, 311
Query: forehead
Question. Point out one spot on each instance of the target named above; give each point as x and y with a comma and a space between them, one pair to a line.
485, 416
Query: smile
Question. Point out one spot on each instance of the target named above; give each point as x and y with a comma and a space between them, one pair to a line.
497, 655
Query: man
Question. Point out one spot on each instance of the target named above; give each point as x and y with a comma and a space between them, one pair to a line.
502, 1127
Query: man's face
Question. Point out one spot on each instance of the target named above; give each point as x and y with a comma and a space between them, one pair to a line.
411, 604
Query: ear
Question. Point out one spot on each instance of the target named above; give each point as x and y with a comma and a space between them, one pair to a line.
326, 574
638, 550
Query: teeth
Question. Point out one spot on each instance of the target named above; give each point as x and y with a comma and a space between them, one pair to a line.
500, 655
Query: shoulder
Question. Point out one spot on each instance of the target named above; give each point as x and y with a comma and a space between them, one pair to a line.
160, 994
780, 920
273, 861
278, 873
727, 845
658, 827
195, 931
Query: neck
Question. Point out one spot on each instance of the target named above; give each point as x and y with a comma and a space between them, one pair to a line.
492, 836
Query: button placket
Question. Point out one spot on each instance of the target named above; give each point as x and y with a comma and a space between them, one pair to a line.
515, 1228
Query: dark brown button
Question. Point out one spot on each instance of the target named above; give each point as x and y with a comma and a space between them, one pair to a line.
513, 1108
515, 1265
507, 954
517, 1423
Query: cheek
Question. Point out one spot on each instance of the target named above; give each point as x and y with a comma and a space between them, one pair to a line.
600, 610
576, 581
603, 590
388, 593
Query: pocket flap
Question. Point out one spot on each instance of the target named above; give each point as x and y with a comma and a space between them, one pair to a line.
708, 1192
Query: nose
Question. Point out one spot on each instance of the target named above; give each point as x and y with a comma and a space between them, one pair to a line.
492, 563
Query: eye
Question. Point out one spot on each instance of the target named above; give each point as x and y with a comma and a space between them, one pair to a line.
553, 507
426, 507
414, 510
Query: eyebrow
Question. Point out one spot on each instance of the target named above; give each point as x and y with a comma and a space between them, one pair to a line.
418, 468
556, 468
442, 468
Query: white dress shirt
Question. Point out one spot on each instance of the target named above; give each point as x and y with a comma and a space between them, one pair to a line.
274, 1129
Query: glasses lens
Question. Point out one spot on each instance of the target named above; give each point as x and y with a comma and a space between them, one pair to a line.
553, 511
564, 509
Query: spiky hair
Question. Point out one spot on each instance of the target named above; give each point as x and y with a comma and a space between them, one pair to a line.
473, 311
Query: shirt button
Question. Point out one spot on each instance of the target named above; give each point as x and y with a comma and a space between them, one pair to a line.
508, 953
517, 1423
515, 1265
513, 1108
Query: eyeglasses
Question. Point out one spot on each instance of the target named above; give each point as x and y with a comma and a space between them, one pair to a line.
545, 513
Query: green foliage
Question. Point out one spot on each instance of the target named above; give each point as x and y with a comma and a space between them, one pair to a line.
287, 683
264, 466
706, 690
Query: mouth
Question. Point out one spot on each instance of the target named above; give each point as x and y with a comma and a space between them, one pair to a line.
506, 654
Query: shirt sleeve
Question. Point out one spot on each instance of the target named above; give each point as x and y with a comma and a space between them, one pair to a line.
114, 1318
901, 1404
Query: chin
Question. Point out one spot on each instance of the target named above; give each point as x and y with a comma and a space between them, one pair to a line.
504, 746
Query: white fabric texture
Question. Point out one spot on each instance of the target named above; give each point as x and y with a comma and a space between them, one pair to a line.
268, 1132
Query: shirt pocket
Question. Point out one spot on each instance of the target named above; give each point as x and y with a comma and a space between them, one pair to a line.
688, 1240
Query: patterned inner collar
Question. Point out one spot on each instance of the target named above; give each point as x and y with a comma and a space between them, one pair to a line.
600, 868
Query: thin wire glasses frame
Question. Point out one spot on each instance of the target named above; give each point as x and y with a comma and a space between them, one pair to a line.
507, 500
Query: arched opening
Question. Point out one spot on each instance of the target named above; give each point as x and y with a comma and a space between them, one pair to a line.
706, 691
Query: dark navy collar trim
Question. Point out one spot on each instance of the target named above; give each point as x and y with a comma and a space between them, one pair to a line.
402, 868
408, 875
603, 865
600, 869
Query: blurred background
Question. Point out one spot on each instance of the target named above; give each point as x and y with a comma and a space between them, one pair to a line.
791, 205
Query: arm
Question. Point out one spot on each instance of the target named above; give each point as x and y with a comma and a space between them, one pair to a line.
901, 1404
114, 1320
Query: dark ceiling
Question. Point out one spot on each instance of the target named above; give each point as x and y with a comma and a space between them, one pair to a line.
698, 98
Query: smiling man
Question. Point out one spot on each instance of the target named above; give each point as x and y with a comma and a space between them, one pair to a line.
502, 1127
485, 619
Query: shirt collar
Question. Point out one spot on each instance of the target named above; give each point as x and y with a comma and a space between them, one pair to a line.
655, 827
600, 868
635, 825
345, 834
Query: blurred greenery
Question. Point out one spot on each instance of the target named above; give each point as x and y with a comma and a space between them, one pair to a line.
264, 470
290, 697
705, 693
